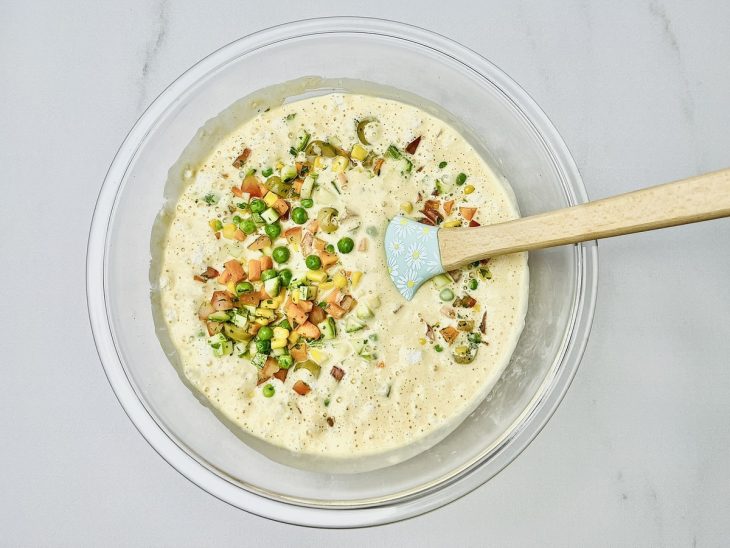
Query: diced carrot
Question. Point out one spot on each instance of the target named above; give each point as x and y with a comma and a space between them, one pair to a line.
433, 205
299, 352
237, 191
266, 263
313, 226
319, 244
317, 315
254, 270
336, 311
298, 185
262, 189
295, 314
239, 235
308, 330
293, 235
328, 259
280, 206
448, 206
235, 271
305, 305
281, 374
468, 212
251, 299
224, 277
260, 243
251, 185
449, 333
241, 159
301, 388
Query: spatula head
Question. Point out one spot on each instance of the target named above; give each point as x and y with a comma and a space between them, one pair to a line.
412, 253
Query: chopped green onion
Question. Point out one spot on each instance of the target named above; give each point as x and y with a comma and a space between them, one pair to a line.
211, 198
267, 172
393, 152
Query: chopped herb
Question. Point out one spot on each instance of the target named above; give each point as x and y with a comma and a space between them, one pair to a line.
485, 273
326, 402
337, 189
438, 348
211, 198
442, 165
242, 205
461, 179
474, 338
293, 151
290, 117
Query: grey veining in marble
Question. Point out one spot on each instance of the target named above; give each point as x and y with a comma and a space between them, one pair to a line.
637, 453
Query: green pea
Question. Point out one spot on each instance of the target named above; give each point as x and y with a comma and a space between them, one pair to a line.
268, 390
285, 361
273, 230
265, 333
438, 348
473, 283
267, 172
280, 254
345, 245
268, 274
286, 277
299, 215
263, 346
237, 219
248, 226
307, 202
329, 248
244, 287
461, 179
313, 262
258, 205
446, 295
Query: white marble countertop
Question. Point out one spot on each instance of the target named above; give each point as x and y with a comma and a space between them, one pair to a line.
637, 454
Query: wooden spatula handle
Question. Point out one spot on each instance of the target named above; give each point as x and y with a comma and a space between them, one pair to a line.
687, 201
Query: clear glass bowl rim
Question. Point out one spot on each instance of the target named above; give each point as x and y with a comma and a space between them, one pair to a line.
524, 429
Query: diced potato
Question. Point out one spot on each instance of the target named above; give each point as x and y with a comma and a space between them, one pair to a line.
326, 286
340, 280
279, 343
317, 275
231, 286
229, 230
339, 164
359, 152
293, 337
265, 313
355, 278
318, 356
270, 304
281, 333
319, 162
270, 198
262, 321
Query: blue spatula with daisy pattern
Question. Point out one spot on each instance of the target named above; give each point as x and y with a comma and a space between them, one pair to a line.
416, 251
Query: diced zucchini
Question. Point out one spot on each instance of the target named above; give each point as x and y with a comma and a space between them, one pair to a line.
270, 215
240, 349
240, 320
259, 360
352, 325
288, 173
441, 281
443, 188
279, 351
306, 292
301, 142
406, 166
220, 344
328, 328
393, 152
307, 187
363, 311
310, 366
219, 316
272, 287
258, 221
236, 333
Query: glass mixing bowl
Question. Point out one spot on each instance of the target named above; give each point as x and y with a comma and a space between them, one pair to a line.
504, 124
